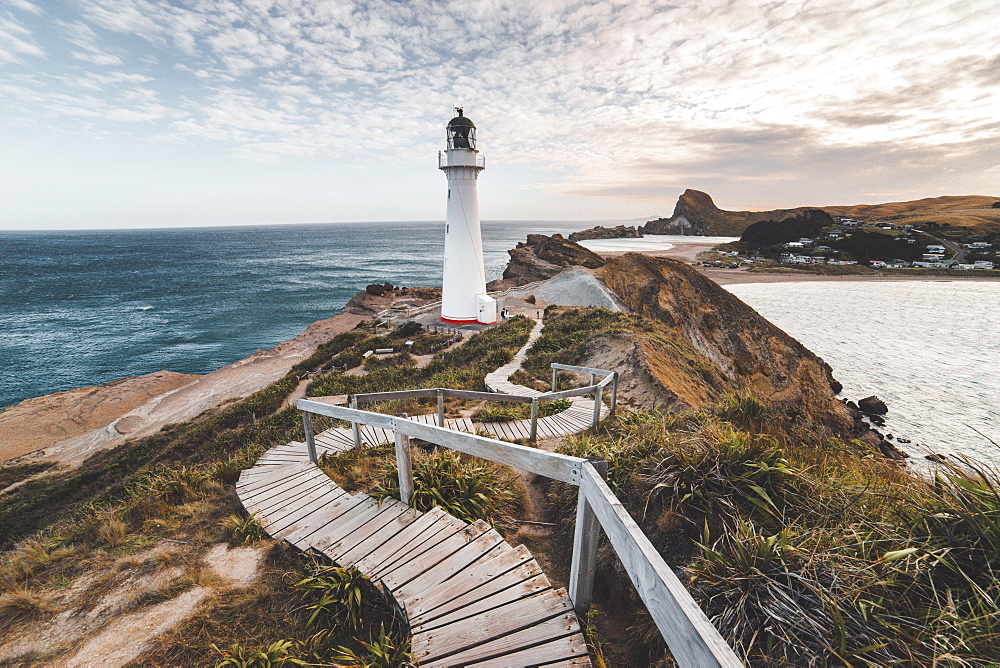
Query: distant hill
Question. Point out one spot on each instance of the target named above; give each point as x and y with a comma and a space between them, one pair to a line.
696, 213
974, 212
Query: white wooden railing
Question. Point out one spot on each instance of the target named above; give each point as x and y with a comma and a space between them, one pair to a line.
692, 639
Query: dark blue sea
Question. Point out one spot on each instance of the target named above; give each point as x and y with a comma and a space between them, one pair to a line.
88, 307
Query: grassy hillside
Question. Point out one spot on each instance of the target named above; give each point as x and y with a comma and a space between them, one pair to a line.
973, 212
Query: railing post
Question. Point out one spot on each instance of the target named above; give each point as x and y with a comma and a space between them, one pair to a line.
555, 377
440, 397
592, 379
614, 392
597, 406
310, 438
534, 419
586, 537
354, 425
404, 466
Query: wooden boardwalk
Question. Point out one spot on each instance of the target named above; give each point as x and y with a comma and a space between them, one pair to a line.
470, 598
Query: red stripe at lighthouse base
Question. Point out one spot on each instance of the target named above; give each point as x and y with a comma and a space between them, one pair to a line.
459, 321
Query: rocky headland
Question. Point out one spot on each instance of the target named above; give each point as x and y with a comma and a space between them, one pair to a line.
542, 257
601, 232
695, 213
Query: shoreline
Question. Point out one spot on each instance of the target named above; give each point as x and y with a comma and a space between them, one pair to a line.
687, 251
71, 425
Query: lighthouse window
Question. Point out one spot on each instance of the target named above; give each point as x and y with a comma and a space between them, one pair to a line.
449, 193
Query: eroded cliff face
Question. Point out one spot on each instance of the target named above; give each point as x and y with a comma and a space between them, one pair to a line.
745, 348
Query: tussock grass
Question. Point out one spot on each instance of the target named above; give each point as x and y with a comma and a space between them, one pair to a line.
22, 605
804, 549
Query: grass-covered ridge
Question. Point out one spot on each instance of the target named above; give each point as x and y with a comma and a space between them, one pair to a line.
803, 549
106, 516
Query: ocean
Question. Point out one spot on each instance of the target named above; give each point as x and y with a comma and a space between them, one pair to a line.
89, 307
929, 349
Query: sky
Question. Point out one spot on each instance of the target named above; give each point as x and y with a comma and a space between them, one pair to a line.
140, 113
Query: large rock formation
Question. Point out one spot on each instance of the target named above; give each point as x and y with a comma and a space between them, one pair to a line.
543, 257
601, 232
696, 213
739, 344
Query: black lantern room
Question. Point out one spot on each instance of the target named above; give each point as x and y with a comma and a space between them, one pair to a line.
461, 132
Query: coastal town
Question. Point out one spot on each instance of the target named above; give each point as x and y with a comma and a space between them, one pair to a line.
833, 247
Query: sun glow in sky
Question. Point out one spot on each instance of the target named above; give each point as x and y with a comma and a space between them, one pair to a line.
134, 113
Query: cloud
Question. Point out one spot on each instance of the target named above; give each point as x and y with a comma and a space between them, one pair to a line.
608, 99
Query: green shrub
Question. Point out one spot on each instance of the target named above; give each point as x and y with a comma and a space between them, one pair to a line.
462, 486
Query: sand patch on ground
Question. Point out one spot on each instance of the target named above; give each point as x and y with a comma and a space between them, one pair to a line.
102, 613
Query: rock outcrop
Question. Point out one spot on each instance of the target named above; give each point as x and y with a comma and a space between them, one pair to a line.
600, 232
543, 257
695, 213
740, 345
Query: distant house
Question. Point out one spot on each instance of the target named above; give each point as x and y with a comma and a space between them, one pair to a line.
805, 240
834, 235
885, 226
935, 248
982, 264
878, 264
965, 266
979, 245
824, 249
933, 257
794, 244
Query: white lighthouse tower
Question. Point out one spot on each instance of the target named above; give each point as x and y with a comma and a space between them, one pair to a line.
463, 292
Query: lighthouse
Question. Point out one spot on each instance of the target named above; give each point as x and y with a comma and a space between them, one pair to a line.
463, 290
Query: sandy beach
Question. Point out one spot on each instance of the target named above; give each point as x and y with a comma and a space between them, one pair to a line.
686, 249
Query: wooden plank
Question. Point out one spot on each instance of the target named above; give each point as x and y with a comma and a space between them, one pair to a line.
299, 533
692, 639
350, 532
264, 491
492, 652
263, 502
474, 637
429, 553
288, 497
279, 518
494, 596
571, 650
262, 476
416, 530
367, 539
281, 484
435, 574
306, 517
349, 522
505, 566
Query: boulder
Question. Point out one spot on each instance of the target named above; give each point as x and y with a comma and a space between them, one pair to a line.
872, 406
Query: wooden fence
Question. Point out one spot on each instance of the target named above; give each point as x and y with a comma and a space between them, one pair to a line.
692, 639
